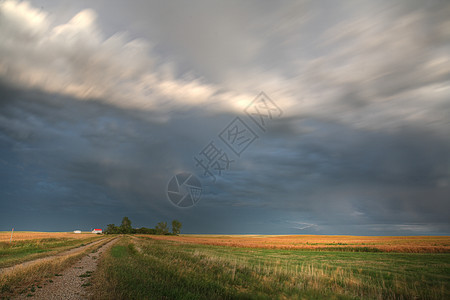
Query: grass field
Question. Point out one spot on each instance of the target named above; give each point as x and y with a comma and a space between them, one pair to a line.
154, 267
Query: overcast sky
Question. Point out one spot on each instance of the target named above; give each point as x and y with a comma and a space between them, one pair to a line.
103, 102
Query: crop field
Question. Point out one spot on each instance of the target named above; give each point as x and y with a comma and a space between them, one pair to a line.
5, 236
405, 244
151, 267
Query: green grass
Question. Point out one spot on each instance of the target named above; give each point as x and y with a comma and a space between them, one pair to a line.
19, 251
151, 269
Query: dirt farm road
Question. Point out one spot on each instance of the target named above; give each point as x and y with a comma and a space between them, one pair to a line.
70, 284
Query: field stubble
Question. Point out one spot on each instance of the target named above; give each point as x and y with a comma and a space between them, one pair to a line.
5, 236
401, 244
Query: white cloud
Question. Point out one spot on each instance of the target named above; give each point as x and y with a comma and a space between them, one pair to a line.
75, 59
302, 226
370, 70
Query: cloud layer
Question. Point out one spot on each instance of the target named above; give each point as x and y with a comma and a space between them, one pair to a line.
102, 103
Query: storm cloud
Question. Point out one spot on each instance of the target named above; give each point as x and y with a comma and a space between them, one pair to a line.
102, 103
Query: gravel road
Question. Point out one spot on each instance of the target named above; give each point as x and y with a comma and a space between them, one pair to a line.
70, 284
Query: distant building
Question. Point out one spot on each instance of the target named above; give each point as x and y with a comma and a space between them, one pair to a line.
98, 231
77, 231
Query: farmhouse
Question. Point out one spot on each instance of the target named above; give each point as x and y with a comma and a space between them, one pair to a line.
98, 231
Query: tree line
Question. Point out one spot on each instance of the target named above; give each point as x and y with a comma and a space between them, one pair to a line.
160, 228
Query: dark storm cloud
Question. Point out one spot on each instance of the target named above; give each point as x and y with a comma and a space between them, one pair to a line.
68, 156
342, 176
94, 121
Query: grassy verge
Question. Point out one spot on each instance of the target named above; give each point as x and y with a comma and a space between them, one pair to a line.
20, 251
155, 269
20, 280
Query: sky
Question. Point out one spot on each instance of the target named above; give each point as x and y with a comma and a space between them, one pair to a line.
293, 117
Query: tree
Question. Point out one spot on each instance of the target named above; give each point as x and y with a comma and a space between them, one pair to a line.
112, 229
126, 225
144, 230
176, 227
161, 228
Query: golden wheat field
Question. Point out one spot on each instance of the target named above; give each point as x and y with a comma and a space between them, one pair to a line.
5, 236
406, 244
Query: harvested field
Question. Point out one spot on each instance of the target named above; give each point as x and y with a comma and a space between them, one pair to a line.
403, 244
33, 235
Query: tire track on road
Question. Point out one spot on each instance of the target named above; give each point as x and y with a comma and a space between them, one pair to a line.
72, 282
